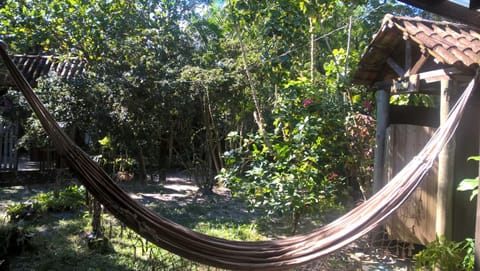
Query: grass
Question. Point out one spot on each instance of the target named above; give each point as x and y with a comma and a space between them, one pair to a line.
59, 239
61, 244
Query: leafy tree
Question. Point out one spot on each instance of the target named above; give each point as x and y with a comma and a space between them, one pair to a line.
300, 52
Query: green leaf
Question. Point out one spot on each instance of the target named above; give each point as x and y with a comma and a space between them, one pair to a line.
104, 141
475, 158
469, 185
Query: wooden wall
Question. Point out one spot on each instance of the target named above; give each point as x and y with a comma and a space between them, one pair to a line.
414, 222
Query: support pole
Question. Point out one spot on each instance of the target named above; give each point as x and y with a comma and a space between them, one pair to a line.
443, 225
382, 97
477, 230
477, 220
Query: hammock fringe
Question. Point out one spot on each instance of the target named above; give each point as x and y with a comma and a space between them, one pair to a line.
240, 255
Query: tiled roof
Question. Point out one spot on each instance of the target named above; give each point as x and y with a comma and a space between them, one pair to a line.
447, 43
34, 66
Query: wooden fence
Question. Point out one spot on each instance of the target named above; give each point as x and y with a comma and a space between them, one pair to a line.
8, 139
414, 222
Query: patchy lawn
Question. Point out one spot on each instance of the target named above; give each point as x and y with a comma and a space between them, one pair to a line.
58, 241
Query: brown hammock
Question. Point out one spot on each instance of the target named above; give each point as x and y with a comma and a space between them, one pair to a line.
239, 255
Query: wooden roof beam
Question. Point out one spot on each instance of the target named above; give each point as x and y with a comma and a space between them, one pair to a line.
450, 10
418, 65
395, 67
474, 4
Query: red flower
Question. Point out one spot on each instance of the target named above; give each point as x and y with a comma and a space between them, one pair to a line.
307, 102
367, 105
332, 176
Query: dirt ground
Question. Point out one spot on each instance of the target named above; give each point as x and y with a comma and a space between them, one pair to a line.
178, 190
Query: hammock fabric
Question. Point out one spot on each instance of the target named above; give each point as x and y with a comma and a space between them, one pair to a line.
240, 255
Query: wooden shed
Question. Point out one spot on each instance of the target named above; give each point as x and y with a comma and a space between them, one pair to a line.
32, 67
418, 68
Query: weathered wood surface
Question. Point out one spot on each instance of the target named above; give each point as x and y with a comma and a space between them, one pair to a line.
414, 221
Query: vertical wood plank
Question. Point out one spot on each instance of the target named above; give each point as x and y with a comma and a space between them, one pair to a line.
5, 147
477, 229
408, 57
443, 225
382, 98
477, 219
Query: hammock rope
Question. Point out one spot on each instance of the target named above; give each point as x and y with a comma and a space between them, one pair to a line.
242, 255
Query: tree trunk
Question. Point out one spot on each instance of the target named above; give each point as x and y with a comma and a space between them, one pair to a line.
258, 115
142, 171
312, 51
170, 146
97, 219
215, 146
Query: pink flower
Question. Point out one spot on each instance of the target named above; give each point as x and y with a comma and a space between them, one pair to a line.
367, 105
332, 176
307, 102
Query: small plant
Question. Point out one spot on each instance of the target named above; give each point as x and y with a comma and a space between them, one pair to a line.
13, 240
69, 199
446, 255
470, 184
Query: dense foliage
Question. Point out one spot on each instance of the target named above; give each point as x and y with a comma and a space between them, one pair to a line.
257, 91
71, 198
443, 254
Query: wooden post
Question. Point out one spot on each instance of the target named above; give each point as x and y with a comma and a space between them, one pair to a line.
477, 223
380, 138
477, 231
443, 225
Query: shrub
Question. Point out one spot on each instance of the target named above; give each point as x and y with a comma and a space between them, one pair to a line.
71, 198
13, 240
446, 255
299, 171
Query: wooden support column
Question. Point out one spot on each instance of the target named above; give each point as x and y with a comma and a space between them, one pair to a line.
477, 226
443, 225
382, 97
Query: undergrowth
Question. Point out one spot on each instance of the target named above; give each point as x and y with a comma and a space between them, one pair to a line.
71, 198
61, 244
59, 235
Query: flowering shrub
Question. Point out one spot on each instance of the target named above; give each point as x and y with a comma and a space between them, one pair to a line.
302, 172
360, 131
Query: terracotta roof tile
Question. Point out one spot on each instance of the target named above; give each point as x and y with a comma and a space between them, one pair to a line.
34, 66
448, 43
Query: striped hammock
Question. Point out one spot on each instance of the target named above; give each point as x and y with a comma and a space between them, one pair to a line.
240, 255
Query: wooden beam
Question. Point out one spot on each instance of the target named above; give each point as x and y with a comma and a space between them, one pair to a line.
408, 55
477, 228
395, 67
438, 75
425, 82
382, 97
474, 4
446, 160
414, 115
418, 65
450, 10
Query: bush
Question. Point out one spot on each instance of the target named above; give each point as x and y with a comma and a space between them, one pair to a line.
446, 255
72, 198
299, 171
13, 240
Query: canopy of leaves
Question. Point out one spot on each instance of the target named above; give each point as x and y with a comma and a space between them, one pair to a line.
168, 81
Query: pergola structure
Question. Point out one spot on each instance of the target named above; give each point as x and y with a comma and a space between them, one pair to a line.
468, 14
33, 67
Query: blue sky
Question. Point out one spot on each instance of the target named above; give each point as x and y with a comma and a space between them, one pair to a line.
461, 2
